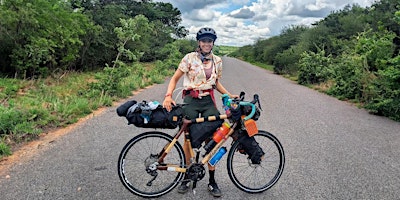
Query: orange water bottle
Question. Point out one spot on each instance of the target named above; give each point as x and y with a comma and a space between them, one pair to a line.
219, 134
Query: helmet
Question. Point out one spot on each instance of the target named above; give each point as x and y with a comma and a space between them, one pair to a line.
206, 33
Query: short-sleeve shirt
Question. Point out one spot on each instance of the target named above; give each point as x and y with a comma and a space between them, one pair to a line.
195, 76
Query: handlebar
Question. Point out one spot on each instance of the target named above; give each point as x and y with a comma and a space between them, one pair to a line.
229, 103
253, 109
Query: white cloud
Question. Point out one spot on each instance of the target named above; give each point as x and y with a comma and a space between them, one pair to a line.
243, 22
244, 13
203, 15
318, 5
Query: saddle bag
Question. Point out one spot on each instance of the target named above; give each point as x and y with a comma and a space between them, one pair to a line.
150, 115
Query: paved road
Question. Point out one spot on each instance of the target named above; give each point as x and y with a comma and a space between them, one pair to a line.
333, 149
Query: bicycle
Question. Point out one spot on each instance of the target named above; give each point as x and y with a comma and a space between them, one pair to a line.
152, 163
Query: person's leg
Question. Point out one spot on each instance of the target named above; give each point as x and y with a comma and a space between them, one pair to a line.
211, 110
184, 187
206, 107
190, 112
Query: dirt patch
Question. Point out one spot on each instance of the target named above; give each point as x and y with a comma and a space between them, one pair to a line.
29, 149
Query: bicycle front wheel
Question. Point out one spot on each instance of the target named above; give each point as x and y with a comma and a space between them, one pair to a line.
137, 160
256, 178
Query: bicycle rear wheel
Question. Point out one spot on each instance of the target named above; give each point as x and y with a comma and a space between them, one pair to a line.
256, 178
136, 157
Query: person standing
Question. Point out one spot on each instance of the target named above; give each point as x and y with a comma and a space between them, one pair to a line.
202, 71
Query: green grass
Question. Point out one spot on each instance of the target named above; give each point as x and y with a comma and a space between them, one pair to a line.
226, 50
5, 150
31, 107
264, 66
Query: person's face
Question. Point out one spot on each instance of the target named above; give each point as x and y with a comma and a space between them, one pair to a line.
206, 45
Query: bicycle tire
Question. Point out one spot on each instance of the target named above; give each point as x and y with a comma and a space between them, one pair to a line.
257, 178
139, 151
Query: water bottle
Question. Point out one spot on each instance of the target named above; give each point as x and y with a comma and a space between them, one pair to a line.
214, 160
153, 105
219, 134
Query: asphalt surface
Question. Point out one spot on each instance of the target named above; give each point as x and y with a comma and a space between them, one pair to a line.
334, 150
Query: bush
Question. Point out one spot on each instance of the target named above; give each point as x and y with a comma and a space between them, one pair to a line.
108, 80
314, 68
350, 77
287, 61
386, 88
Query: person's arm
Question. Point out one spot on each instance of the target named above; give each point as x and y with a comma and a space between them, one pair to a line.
168, 101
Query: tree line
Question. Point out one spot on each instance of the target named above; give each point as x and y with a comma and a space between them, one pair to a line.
352, 54
42, 36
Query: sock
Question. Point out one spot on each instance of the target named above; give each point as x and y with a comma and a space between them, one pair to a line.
212, 176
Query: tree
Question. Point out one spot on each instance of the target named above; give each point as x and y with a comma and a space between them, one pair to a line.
129, 32
106, 14
40, 36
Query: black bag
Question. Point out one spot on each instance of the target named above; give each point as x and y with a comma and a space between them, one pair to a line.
123, 109
249, 145
199, 132
246, 110
140, 115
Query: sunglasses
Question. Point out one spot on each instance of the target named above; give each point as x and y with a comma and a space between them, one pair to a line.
207, 40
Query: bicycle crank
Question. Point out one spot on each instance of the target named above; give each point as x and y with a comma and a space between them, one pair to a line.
196, 172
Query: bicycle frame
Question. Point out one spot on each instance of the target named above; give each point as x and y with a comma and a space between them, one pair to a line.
183, 129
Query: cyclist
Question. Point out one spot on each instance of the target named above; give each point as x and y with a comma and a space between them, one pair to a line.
202, 72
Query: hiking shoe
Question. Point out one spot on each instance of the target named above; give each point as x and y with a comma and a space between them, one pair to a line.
184, 187
214, 190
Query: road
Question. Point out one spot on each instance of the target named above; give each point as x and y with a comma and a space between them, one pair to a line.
334, 150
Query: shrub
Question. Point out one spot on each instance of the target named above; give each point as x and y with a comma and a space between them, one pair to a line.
386, 88
287, 61
314, 68
350, 77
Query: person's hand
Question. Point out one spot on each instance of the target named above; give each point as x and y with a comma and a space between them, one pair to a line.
234, 96
168, 102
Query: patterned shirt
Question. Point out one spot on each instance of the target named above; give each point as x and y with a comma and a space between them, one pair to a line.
195, 76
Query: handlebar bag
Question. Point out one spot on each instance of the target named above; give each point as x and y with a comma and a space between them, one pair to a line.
246, 110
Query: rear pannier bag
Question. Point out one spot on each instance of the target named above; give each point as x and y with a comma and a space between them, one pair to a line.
145, 116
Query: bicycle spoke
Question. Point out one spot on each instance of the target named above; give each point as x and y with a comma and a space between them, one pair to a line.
255, 178
142, 152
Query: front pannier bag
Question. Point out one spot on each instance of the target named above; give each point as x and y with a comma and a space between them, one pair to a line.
150, 115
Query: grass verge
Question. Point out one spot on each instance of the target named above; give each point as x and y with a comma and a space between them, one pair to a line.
31, 107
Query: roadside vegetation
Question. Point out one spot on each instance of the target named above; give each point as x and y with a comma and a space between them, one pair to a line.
61, 60
352, 54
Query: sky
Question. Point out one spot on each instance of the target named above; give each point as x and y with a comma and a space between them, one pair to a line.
243, 22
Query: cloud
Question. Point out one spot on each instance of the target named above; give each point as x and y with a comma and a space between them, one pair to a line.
243, 13
243, 22
202, 15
